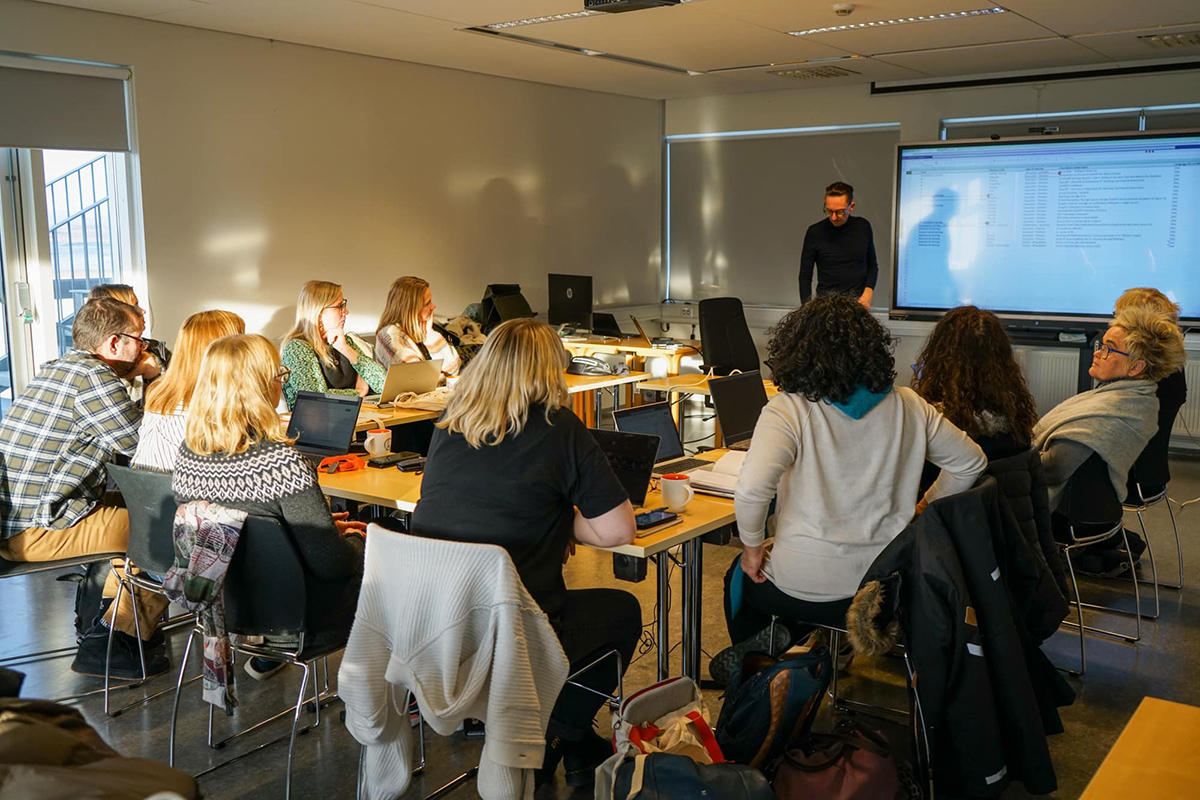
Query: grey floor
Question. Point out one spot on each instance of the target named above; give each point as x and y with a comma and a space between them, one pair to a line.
38, 613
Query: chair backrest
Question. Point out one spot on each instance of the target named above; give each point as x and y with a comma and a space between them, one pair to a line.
1152, 469
265, 586
1089, 497
152, 507
725, 336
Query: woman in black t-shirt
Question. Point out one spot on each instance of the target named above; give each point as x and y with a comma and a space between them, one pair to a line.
511, 465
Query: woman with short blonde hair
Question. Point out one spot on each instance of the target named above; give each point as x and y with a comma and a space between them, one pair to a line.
164, 423
238, 454
524, 368
511, 465
1149, 297
406, 331
319, 352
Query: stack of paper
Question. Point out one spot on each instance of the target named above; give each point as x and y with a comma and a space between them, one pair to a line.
722, 478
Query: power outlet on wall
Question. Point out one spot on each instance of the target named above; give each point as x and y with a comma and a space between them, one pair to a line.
685, 310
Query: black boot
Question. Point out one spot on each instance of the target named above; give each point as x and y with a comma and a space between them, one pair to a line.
582, 758
555, 750
124, 663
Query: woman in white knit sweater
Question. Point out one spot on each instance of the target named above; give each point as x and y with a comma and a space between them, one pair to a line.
840, 450
406, 331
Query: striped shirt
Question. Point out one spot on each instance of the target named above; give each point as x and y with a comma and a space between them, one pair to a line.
75, 415
394, 347
159, 439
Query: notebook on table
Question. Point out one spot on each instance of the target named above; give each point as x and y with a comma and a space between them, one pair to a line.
323, 424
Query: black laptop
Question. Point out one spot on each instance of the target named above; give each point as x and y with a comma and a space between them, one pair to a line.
606, 325
738, 400
323, 424
631, 456
655, 419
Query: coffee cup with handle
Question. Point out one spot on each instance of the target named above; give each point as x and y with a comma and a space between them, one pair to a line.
676, 491
379, 442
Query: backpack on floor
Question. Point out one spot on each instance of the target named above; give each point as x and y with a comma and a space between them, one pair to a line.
852, 763
770, 702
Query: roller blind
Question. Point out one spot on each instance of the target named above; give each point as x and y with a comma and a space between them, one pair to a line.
62, 111
738, 209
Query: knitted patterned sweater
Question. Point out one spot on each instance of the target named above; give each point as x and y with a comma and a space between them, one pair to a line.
275, 480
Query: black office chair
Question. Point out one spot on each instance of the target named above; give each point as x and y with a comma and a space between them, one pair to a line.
151, 549
1147, 486
1092, 513
725, 337
266, 594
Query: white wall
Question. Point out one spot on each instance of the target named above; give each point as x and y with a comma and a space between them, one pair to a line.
919, 112
266, 164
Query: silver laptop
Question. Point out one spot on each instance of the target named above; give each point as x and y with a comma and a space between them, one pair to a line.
417, 377
655, 419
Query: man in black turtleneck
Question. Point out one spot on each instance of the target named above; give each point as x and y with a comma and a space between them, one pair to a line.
842, 248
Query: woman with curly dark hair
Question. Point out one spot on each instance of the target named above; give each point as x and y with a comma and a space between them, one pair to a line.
842, 450
967, 371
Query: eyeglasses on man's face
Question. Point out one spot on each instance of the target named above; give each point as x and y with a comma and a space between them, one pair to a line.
142, 342
1105, 350
835, 213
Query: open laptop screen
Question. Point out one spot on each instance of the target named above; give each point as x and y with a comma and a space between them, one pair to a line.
739, 400
654, 419
323, 424
631, 456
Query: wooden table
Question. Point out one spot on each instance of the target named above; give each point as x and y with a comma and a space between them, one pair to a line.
392, 488
1155, 755
579, 385
685, 385
635, 350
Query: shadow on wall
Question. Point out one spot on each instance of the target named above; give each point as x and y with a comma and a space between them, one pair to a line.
279, 324
509, 243
616, 241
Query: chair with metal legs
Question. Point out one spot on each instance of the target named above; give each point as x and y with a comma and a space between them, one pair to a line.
1148, 486
1093, 514
266, 595
16, 569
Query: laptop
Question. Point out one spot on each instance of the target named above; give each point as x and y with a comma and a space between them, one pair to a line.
738, 399
323, 424
631, 456
658, 341
417, 377
606, 325
655, 419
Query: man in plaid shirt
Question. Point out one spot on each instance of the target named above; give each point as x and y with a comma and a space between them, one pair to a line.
75, 415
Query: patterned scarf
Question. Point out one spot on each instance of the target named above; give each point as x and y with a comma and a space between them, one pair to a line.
205, 536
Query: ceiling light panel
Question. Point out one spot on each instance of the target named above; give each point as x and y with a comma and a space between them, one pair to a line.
949, 15
520, 23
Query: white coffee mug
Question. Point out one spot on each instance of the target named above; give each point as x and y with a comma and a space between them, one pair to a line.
379, 442
676, 491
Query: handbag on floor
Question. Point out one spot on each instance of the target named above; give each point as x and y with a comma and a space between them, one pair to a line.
770, 702
852, 763
668, 717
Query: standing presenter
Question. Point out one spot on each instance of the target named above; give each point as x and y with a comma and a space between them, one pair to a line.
842, 248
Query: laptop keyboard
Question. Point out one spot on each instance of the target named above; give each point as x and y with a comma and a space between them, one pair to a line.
681, 465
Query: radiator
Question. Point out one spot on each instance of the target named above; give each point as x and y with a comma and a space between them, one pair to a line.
1052, 374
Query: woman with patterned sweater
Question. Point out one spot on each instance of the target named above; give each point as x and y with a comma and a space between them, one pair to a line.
237, 454
320, 354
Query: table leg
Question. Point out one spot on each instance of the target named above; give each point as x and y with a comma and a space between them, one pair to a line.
598, 406
693, 577
664, 626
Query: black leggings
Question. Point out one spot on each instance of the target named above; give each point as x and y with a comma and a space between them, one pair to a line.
762, 600
593, 622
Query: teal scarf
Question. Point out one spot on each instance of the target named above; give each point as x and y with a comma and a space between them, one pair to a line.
861, 402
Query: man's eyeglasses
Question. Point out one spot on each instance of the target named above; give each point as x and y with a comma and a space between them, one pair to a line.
283, 374
1105, 350
339, 306
142, 341
835, 213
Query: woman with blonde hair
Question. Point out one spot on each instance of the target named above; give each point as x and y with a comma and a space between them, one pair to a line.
237, 453
164, 421
510, 465
406, 332
319, 352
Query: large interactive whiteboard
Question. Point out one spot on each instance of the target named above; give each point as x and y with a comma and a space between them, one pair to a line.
1047, 228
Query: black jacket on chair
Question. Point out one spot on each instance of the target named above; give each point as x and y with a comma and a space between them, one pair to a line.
969, 653
1023, 485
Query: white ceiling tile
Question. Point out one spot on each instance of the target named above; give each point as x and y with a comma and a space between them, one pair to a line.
866, 69
993, 58
1069, 17
481, 12
1126, 46
690, 36
928, 35
129, 8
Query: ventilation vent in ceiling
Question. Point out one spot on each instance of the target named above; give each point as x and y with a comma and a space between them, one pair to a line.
813, 73
1172, 41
